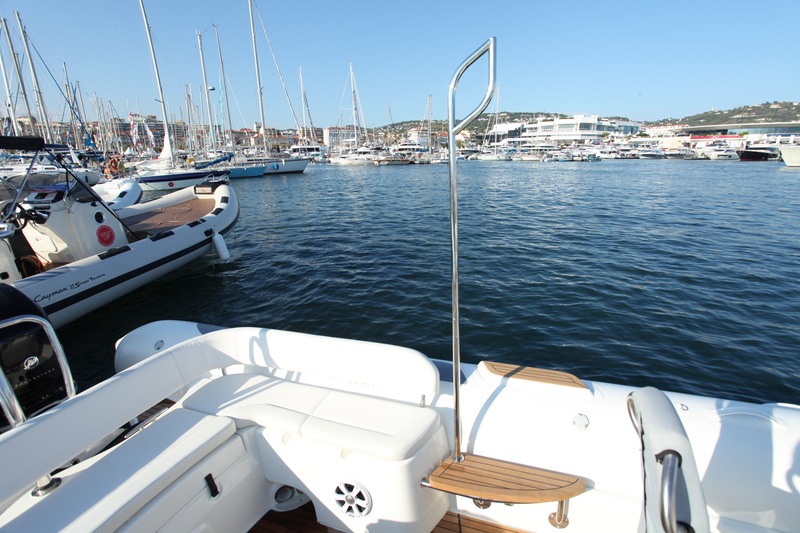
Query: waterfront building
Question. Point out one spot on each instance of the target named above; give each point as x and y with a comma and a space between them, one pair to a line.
578, 129
738, 136
771, 129
667, 130
340, 136
418, 136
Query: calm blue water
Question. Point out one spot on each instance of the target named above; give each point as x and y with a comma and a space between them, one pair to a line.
679, 274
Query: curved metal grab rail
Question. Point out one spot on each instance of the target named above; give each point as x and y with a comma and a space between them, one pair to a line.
664, 441
670, 463
9, 402
490, 47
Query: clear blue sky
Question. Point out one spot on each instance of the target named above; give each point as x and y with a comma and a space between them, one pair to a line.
643, 60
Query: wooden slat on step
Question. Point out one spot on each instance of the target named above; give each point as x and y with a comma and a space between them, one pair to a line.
529, 373
454, 523
483, 478
303, 519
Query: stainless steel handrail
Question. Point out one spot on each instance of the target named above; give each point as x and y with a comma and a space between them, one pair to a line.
490, 47
10, 403
670, 463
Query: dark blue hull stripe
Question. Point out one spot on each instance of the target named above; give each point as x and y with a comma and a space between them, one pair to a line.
92, 291
101, 287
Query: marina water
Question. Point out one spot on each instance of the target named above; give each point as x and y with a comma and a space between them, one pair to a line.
680, 274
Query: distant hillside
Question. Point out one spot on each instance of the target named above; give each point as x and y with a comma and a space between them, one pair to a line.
479, 126
766, 112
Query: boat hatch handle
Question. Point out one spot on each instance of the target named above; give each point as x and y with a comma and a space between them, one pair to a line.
670, 462
490, 47
10, 402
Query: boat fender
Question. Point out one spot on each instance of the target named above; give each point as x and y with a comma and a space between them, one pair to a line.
222, 248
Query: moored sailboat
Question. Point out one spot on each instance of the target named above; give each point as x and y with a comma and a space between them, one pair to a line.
368, 436
164, 174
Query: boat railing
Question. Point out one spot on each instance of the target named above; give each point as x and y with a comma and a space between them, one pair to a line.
674, 498
490, 48
9, 402
34, 144
484, 479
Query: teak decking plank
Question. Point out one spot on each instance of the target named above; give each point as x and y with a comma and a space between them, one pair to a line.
303, 520
455, 523
530, 373
170, 217
489, 479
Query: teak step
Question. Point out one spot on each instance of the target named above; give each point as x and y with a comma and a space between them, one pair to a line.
483, 478
529, 373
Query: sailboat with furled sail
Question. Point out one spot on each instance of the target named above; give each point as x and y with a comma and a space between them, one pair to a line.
163, 173
356, 149
307, 145
260, 429
263, 159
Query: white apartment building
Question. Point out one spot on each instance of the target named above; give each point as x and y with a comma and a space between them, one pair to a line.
578, 129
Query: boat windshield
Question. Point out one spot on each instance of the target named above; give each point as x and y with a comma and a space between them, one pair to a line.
41, 185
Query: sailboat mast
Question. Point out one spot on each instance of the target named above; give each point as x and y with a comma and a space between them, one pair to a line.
212, 133
311, 134
9, 102
224, 88
356, 120
167, 149
18, 71
71, 103
258, 78
430, 118
39, 101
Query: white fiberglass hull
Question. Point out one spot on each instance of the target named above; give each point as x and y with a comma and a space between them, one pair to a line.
70, 291
722, 155
493, 157
286, 166
173, 180
791, 155
119, 192
352, 161
317, 413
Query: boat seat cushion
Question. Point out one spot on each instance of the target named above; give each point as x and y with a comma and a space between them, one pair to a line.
251, 399
373, 426
122, 481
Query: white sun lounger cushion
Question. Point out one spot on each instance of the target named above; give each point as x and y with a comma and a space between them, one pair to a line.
354, 422
111, 490
254, 399
372, 426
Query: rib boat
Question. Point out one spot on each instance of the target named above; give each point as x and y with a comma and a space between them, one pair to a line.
70, 252
210, 428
